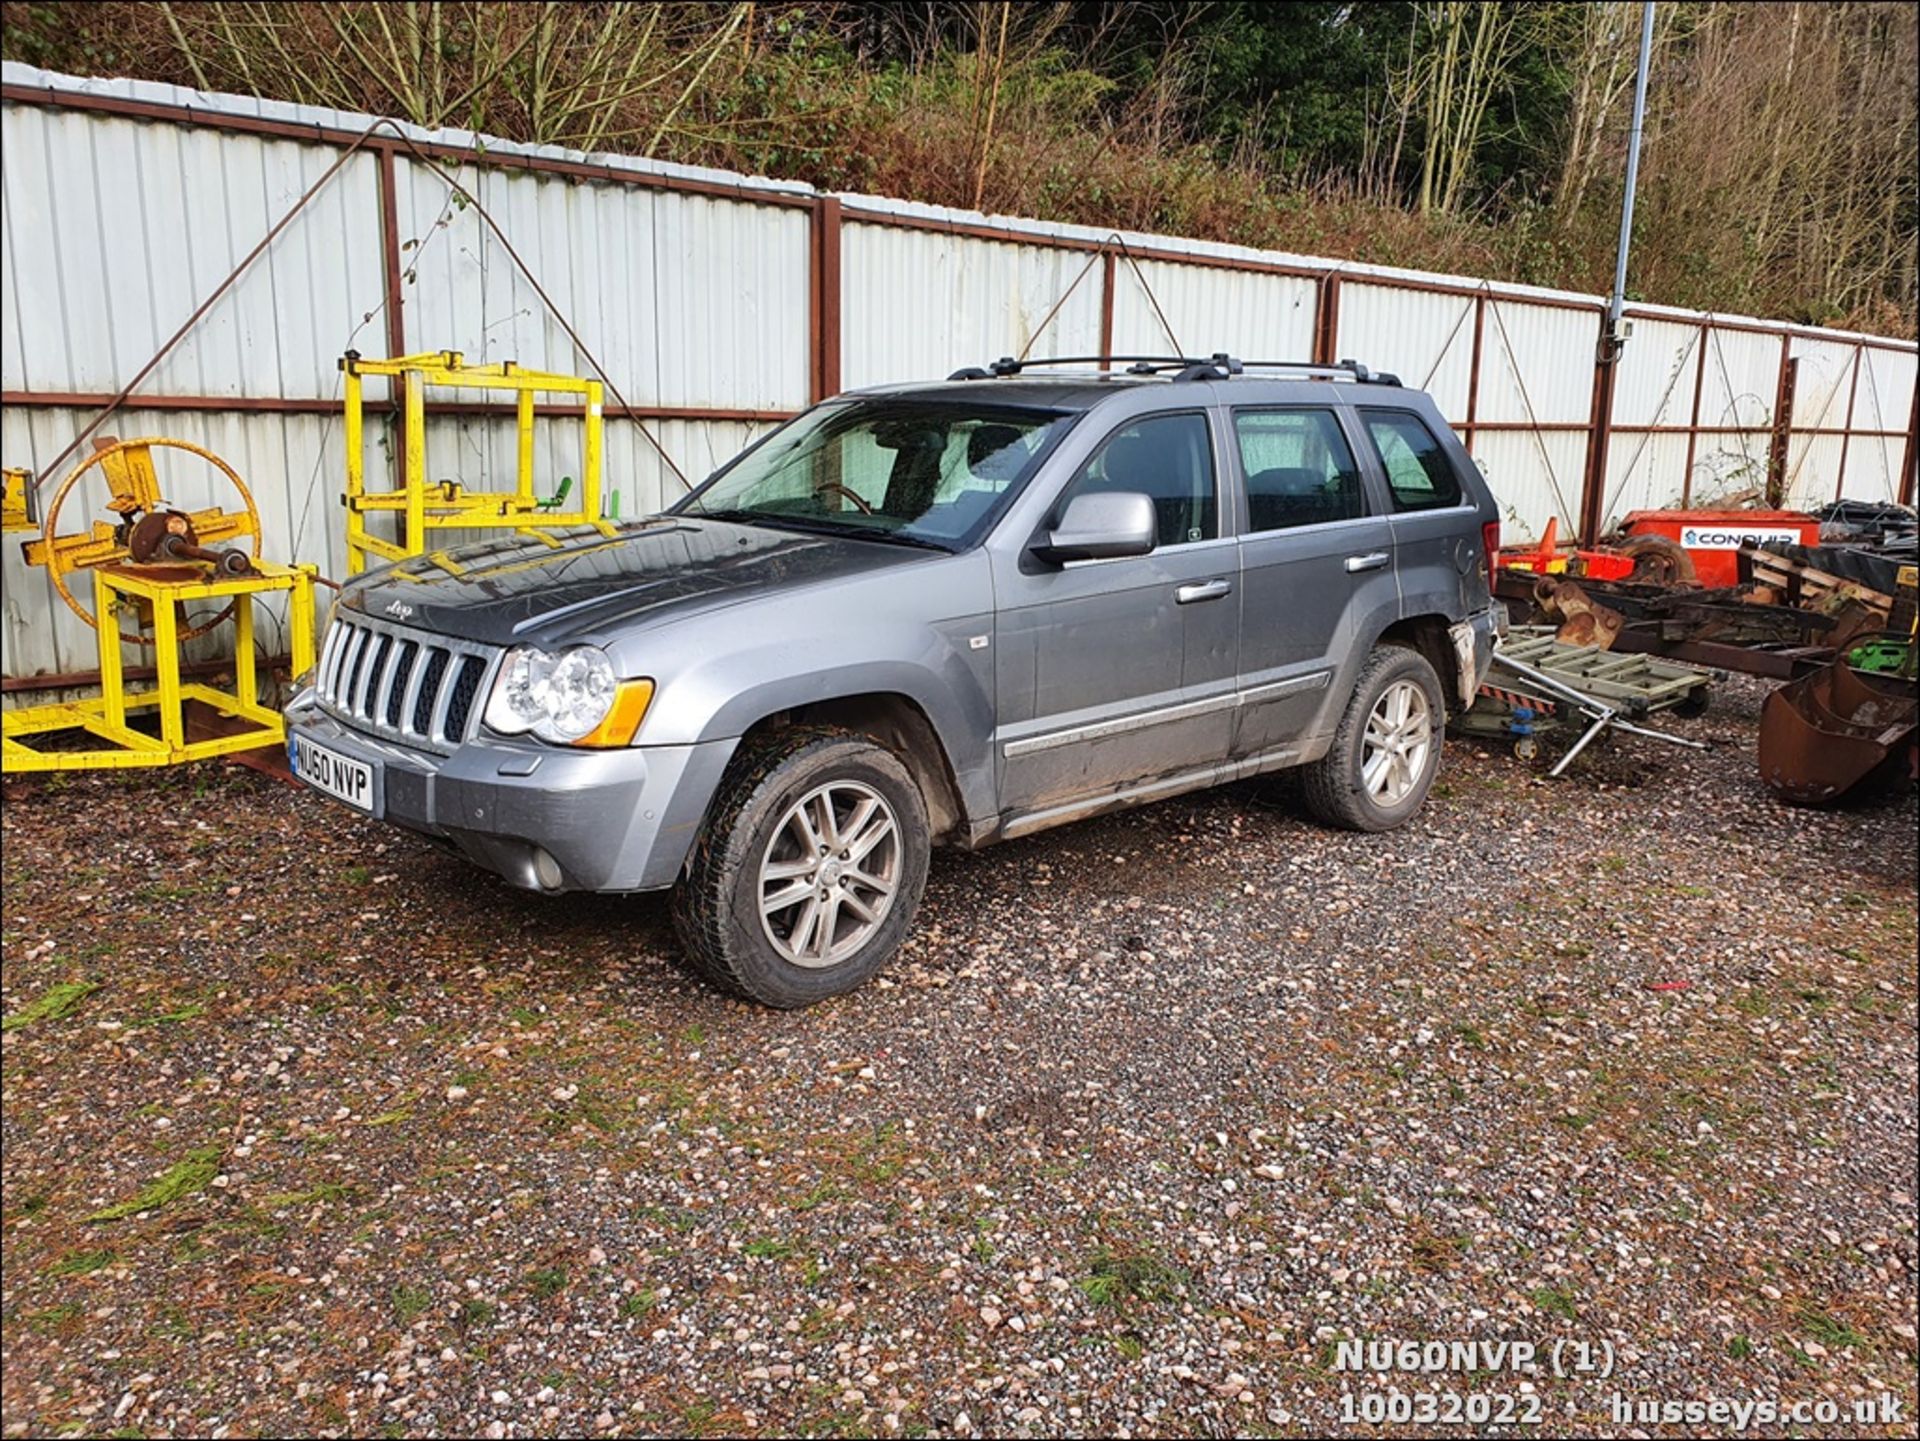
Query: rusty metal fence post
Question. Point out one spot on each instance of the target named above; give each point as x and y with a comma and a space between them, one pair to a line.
823, 318
1606, 360
1778, 445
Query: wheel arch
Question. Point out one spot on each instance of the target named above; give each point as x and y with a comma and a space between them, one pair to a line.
896, 723
1427, 635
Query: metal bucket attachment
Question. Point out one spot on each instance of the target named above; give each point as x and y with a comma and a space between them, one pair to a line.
1838, 732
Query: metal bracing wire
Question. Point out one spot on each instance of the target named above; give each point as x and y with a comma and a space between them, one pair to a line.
1546, 460
1609, 501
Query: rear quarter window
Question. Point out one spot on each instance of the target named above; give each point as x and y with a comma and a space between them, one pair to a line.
1417, 469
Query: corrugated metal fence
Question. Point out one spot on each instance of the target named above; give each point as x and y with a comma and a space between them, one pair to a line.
720, 304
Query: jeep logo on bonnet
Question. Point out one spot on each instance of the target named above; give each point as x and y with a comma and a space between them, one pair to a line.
399, 609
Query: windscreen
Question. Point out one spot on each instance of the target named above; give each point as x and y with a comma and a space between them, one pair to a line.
914, 471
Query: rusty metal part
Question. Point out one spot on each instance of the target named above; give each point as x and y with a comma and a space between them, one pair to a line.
164, 536
1839, 732
1583, 620
1658, 560
1774, 663
1736, 628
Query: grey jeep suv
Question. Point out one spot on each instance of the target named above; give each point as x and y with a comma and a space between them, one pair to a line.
921, 615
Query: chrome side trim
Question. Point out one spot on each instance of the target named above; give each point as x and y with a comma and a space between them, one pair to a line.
1165, 715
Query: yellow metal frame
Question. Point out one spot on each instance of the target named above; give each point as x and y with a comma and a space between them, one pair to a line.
105, 719
16, 503
449, 505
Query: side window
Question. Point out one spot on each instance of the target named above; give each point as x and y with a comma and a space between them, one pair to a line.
1168, 459
1418, 472
1299, 469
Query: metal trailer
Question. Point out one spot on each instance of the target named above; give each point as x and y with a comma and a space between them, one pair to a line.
1540, 683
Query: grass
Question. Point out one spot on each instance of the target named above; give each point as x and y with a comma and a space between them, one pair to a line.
52, 1319
475, 1312
639, 1303
185, 1013
1834, 1334
547, 1282
1115, 1277
1739, 1347
287, 1200
55, 1004
183, 1178
769, 1250
1556, 1301
82, 1263
410, 1303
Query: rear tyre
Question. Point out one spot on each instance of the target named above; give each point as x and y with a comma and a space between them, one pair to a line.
808, 871
1386, 749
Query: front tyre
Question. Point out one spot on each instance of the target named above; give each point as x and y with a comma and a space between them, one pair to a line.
809, 870
1386, 749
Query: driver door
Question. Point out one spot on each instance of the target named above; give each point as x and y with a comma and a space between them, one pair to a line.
1112, 674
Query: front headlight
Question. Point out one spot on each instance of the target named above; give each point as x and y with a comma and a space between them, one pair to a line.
572, 698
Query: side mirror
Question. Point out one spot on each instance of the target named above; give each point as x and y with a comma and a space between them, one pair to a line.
1101, 526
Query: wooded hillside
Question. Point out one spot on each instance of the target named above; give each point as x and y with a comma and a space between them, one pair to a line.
1779, 175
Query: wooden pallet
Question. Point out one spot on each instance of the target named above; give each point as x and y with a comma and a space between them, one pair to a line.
1807, 588
1637, 682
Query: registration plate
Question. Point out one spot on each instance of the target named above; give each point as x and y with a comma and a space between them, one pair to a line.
342, 777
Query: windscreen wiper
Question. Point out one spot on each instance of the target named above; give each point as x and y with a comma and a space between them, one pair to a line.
821, 525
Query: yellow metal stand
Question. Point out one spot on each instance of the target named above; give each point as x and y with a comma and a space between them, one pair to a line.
447, 504
117, 588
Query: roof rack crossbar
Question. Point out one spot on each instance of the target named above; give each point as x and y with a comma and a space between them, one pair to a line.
1218, 366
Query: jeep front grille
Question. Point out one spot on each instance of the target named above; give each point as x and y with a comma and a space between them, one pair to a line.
405, 685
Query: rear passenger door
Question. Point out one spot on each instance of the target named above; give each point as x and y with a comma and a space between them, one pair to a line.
1436, 526
1316, 560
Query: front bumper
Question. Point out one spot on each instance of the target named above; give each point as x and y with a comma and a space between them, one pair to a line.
613, 820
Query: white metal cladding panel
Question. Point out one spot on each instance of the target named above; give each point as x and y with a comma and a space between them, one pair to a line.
1534, 477
292, 463
1729, 468
1873, 467
1536, 364
1822, 383
917, 305
1424, 338
1813, 470
1741, 380
1644, 472
116, 230
1884, 401
1887, 380
1654, 381
685, 299
1243, 312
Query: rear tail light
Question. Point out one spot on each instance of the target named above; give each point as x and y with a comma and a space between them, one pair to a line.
1490, 543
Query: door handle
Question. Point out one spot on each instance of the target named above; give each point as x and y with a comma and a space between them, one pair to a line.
1201, 590
1371, 561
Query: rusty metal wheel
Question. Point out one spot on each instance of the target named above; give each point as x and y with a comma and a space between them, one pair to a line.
1658, 560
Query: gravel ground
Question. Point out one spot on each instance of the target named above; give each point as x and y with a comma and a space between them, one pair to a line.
1154, 1112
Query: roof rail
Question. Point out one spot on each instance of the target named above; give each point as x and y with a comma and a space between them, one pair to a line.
1218, 366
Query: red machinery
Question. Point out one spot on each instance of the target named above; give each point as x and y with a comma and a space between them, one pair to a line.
1711, 539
